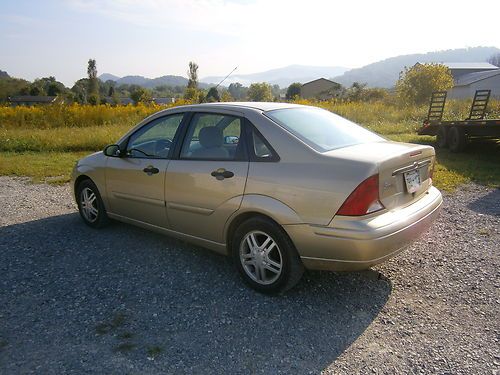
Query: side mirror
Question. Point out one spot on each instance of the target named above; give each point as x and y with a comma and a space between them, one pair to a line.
112, 150
231, 139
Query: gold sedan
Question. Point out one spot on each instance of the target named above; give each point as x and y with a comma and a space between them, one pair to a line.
279, 187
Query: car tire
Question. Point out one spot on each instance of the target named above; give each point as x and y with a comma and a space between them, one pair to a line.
442, 137
90, 205
265, 256
457, 140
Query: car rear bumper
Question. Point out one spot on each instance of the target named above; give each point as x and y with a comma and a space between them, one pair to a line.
353, 243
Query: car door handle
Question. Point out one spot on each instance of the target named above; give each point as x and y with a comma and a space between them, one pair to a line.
150, 170
221, 174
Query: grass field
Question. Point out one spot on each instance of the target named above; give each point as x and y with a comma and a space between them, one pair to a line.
45, 142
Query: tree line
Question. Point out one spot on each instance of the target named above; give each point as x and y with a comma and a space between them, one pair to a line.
415, 85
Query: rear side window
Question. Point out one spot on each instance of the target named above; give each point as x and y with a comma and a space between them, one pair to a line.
213, 137
321, 129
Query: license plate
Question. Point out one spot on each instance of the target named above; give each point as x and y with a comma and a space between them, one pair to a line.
412, 179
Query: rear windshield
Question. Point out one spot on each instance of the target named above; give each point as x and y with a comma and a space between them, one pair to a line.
321, 129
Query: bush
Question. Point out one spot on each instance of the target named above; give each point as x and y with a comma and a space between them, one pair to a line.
260, 92
416, 85
293, 91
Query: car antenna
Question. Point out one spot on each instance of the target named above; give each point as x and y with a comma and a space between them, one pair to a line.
226, 77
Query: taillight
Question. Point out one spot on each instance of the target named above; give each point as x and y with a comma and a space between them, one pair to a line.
363, 200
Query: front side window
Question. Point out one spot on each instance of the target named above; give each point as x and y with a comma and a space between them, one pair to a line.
155, 139
213, 137
321, 129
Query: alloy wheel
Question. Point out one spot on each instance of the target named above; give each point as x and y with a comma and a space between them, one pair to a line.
261, 257
88, 203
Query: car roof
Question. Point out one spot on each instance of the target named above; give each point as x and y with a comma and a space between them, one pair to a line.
262, 106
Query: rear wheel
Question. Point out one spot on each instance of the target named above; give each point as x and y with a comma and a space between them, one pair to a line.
457, 140
265, 256
442, 137
90, 205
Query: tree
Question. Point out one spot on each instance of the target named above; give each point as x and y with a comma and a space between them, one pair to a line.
495, 60
358, 92
93, 99
260, 92
54, 89
191, 94
226, 96
276, 91
79, 90
202, 96
36, 90
374, 94
13, 86
237, 90
213, 95
93, 82
141, 95
416, 84
193, 75
293, 91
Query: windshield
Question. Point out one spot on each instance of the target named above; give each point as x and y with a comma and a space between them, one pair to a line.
321, 129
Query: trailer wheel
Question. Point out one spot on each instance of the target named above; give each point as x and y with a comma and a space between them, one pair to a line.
457, 140
442, 137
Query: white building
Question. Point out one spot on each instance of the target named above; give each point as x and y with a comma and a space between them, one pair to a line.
467, 84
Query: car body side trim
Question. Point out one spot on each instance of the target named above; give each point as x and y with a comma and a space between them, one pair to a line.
131, 197
193, 209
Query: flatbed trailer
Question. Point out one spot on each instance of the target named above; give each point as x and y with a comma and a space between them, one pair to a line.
455, 135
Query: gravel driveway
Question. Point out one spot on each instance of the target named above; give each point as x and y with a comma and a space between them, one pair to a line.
122, 300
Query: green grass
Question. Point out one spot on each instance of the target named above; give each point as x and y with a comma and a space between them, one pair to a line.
92, 138
52, 167
480, 163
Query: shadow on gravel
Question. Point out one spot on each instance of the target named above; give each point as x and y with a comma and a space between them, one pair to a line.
488, 204
124, 300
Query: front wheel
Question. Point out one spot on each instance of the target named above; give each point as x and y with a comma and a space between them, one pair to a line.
90, 204
265, 256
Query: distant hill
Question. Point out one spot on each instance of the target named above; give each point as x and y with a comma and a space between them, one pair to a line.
385, 73
281, 76
4, 74
149, 83
108, 77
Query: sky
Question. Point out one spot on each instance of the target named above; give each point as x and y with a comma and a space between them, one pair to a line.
159, 37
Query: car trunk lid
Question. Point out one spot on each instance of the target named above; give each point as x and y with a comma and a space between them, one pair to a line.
404, 169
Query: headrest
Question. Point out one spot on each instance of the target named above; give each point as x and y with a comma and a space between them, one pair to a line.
211, 136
